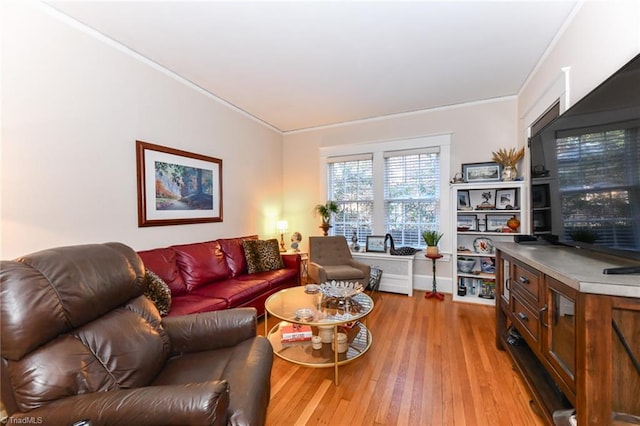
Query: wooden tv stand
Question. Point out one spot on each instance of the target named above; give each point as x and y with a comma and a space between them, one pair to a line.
579, 330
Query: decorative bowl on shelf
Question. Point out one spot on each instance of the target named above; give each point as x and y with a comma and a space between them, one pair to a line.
341, 289
483, 245
466, 264
463, 228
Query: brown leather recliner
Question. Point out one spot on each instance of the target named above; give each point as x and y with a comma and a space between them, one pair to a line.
80, 341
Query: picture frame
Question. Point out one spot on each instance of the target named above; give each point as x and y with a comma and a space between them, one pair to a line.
482, 172
506, 199
467, 222
177, 187
483, 199
464, 202
496, 222
375, 244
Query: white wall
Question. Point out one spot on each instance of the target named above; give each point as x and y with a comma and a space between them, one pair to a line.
72, 109
601, 38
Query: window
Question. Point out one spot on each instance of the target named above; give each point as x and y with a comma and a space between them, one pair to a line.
389, 187
411, 194
351, 187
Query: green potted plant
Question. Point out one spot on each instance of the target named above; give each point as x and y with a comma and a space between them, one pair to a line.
325, 211
432, 238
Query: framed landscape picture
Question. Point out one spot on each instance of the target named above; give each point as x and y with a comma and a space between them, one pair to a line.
481, 172
375, 244
177, 187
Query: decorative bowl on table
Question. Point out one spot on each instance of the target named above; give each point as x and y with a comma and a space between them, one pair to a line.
341, 289
466, 264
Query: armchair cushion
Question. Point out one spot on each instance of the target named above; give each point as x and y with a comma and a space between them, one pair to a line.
262, 255
330, 259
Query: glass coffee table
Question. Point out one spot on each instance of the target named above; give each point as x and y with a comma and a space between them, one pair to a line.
344, 315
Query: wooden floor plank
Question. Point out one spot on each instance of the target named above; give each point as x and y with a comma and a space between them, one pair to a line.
430, 363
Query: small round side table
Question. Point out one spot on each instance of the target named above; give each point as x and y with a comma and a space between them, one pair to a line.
434, 292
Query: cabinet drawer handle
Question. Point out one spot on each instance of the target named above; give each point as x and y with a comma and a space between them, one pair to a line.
507, 284
523, 316
523, 280
541, 315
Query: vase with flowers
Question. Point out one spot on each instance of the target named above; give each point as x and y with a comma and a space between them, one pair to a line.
509, 159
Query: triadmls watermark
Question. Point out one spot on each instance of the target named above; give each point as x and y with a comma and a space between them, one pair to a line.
33, 420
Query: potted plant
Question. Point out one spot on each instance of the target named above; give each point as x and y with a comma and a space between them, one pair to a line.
325, 211
432, 238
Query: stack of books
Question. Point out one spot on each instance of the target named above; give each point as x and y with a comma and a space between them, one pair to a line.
295, 333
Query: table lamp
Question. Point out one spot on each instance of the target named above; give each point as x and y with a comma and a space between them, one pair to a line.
282, 227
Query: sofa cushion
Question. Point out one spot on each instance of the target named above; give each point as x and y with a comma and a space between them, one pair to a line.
232, 248
162, 261
193, 304
262, 255
234, 291
275, 279
201, 263
158, 291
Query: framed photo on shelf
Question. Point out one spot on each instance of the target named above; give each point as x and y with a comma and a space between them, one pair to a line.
483, 199
482, 172
467, 222
375, 244
496, 222
464, 202
506, 199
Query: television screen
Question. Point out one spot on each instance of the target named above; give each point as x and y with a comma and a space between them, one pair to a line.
585, 168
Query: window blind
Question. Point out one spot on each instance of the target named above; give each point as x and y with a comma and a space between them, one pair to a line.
411, 194
350, 185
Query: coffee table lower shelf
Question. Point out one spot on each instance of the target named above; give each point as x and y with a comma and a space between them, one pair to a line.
301, 353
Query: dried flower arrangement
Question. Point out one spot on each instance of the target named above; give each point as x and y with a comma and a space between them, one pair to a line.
508, 158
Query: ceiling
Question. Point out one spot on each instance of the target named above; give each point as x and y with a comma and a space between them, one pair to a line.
297, 65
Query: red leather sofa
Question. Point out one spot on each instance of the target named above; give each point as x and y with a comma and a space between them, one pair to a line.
212, 275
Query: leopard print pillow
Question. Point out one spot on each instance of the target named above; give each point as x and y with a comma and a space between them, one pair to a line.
158, 291
262, 255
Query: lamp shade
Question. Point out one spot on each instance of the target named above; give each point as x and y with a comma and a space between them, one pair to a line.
282, 226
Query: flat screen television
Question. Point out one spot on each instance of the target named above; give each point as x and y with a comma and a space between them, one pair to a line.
585, 169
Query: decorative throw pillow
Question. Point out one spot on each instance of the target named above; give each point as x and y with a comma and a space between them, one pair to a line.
262, 255
158, 291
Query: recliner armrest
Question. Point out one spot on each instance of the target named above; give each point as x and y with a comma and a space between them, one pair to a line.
194, 404
210, 330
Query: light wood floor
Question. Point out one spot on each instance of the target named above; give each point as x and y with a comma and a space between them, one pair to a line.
431, 363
